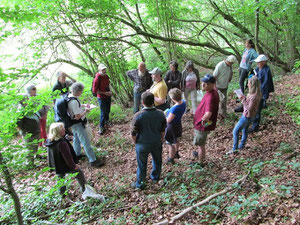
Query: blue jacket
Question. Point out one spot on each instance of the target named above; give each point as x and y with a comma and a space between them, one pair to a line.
266, 80
252, 54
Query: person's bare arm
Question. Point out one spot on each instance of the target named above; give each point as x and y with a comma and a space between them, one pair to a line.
206, 116
72, 79
170, 117
78, 116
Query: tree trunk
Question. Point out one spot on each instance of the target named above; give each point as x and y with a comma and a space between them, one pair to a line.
256, 24
10, 190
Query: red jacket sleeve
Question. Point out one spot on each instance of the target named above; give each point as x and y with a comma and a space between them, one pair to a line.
95, 83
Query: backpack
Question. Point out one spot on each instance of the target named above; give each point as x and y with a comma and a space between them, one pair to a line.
61, 113
94, 81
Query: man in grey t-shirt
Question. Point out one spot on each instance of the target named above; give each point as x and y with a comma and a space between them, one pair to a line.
78, 115
223, 74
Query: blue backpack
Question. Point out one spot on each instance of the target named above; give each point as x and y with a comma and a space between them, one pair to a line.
61, 113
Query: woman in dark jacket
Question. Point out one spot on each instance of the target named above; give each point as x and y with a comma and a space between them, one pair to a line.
61, 155
172, 78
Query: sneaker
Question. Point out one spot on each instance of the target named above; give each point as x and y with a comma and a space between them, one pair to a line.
97, 163
133, 185
101, 131
195, 154
177, 156
231, 152
170, 160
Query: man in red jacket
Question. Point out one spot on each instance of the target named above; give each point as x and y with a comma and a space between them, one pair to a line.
102, 88
206, 114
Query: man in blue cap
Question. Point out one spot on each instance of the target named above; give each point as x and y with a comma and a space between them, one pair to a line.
206, 114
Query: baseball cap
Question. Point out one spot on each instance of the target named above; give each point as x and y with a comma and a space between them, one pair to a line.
101, 67
261, 58
156, 70
231, 59
208, 79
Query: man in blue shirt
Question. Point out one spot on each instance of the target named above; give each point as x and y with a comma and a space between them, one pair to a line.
147, 131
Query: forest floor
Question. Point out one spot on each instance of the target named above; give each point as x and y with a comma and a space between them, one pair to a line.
270, 195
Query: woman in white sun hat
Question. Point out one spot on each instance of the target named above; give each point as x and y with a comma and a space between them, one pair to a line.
263, 73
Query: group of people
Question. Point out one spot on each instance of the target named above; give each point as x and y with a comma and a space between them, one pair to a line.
151, 126
164, 100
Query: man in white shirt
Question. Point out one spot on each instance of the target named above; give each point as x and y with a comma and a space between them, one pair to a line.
77, 113
223, 74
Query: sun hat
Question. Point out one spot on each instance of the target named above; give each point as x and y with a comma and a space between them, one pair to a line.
231, 59
101, 67
261, 58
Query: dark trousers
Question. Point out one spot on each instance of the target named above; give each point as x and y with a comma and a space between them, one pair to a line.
104, 104
256, 121
79, 177
142, 152
243, 75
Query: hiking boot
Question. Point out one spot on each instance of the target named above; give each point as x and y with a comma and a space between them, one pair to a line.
170, 160
231, 152
195, 154
133, 186
177, 156
101, 131
97, 163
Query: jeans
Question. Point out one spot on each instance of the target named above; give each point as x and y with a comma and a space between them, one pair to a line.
223, 104
243, 75
79, 177
256, 121
104, 104
243, 125
136, 101
142, 152
81, 137
193, 93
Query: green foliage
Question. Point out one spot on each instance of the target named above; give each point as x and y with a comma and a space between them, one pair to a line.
241, 208
293, 108
285, 148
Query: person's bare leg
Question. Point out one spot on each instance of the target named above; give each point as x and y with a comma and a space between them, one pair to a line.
201, 151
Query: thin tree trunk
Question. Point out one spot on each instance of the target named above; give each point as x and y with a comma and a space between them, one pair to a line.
256, 23
10, 190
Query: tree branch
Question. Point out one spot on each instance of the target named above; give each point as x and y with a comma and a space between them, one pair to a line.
165, 39
229, 43
209, 198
